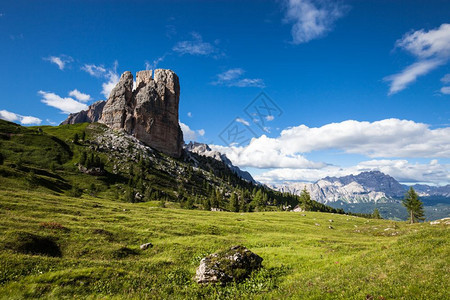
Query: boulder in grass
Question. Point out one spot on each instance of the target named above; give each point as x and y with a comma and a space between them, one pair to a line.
146, 246
234, 264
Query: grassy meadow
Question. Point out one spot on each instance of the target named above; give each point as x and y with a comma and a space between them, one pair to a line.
56, 246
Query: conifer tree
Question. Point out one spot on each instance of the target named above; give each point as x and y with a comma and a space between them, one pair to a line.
414, 206
234, 203
376, 214
305, 199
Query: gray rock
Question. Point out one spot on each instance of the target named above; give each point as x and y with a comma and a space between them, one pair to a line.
146, 246
119, 104
91, 115
234, 264
149, 113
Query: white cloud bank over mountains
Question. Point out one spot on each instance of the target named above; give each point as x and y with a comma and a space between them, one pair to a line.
389, 138
402, 170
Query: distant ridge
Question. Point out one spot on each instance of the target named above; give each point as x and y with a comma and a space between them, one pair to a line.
371, 186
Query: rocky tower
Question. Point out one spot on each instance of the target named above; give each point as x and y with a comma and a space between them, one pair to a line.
150, 112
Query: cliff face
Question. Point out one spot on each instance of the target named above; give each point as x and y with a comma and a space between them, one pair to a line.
150, 112
91, 115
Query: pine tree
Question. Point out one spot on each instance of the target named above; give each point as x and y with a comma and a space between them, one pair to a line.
414, 206
376, 214
305, 199
207, 204
234, 203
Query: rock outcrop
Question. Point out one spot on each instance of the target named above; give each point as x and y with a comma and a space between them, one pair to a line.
91, 115
150, 112
234, 264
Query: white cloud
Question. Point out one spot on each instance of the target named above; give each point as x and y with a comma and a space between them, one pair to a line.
446, 78
93, 70
111, 76
434, 43
312, 19
431, 49
61, 61
402, 170
243, 121
79, 95
189, 114
445, 90
385, 138
266, 157
196, 46
189, 134
113, 79
24, 120
154, 64
8, 116
66, 105
230, 74
401, 80
232, 77
269, 118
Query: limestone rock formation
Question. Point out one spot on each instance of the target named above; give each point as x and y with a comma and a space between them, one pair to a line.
91, 115
150, 112
234, 264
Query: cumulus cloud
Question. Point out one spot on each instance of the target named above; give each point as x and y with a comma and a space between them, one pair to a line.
61, 61
195, 46
271, 157
312, 19
79, 95
190, 134
233, 77
111, 76
67, 105
402, 170
24, 120
385, 138
430, 48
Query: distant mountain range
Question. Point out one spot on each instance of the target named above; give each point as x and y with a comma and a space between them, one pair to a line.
373, 186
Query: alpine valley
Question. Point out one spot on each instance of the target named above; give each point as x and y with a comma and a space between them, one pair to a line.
372, 189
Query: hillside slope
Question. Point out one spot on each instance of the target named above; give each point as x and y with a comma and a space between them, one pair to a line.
55, 246
96, 160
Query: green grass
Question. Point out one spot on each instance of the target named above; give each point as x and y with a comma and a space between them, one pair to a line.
99, 243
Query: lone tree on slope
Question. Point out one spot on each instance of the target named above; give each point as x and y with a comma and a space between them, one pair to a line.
414, 206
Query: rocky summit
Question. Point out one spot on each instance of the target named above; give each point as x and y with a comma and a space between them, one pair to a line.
149, 111
91, 115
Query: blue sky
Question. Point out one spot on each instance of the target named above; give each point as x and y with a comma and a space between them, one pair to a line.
359, 85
